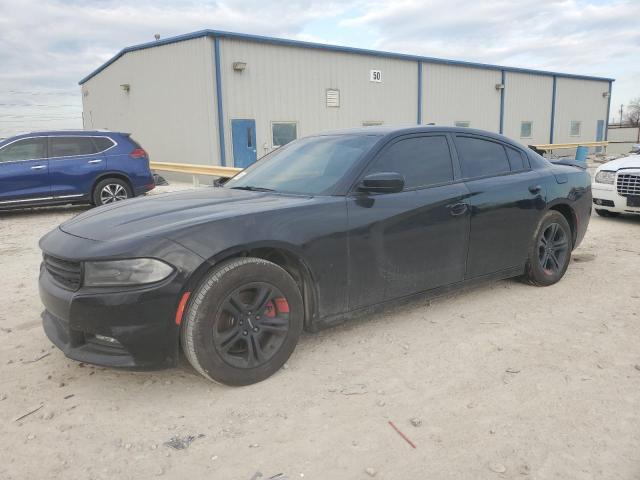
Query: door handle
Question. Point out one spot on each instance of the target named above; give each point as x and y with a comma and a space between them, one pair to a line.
535, 189
38, 167
94, 161
458, 208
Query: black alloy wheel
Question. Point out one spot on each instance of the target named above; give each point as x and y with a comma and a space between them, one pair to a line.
549, 251
553, 247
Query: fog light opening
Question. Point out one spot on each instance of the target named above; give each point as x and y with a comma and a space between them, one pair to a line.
104, 340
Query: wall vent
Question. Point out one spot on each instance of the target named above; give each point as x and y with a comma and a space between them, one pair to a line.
333, 98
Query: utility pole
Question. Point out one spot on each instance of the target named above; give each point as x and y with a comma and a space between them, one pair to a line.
621, 106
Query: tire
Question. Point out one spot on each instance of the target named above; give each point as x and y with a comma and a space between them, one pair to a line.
243, 321
550, 250
606, 213
111, 190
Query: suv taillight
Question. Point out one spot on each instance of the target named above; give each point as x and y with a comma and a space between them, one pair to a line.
138, 153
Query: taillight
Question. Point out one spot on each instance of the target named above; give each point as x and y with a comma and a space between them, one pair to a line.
138, 153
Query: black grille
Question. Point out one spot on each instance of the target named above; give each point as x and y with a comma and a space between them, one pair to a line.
65, 273
628, 184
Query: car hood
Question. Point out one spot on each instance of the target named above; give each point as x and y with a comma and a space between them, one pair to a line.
630, 161
159, 215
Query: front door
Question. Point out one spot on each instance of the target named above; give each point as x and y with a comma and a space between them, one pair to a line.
599, 134
243, 133
411, 241
24, 171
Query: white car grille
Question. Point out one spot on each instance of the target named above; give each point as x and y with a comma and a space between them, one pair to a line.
628, 184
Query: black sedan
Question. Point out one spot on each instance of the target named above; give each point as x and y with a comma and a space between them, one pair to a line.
321, 229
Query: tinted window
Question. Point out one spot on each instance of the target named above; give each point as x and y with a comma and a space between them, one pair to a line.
421, 160
312, 165
27, 149
70, 146
481, 157
516, 159
102, 143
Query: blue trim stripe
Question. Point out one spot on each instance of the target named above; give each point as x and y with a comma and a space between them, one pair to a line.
332, 48
223, 155
419, 93
553, 109
606, 122
504, 86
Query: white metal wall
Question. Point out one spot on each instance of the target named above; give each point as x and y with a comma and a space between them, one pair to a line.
284, 83
579, 100
170, 108
528, 98
453, 93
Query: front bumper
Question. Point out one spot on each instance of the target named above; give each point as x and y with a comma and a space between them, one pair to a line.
141, 320
606, 197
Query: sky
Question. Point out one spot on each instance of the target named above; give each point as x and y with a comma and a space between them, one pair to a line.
46, 46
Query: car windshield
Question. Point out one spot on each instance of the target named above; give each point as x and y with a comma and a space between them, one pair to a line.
311, 166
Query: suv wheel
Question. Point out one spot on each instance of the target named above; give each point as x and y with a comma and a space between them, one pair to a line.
111, 190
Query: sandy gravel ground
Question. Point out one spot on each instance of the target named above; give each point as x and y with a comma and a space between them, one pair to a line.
501, 381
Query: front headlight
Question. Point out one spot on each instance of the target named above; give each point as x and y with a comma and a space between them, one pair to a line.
135, 271
605, 176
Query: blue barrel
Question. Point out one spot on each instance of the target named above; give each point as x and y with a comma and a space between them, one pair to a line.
581, 154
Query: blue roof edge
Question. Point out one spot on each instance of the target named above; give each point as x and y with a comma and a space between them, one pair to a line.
333, 48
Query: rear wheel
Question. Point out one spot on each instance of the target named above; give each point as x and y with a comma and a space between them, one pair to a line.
606, 213
111, 190
550, 250
243, 322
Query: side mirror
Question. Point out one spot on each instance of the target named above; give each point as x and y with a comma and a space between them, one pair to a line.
382, 182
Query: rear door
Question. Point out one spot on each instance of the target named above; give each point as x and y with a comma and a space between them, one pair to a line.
507, 200
73, 165
414, 240
24, 171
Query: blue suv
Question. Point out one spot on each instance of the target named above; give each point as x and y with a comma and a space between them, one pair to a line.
83, 166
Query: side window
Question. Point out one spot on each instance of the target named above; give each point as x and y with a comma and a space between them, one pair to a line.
421, 160
516, 159
102, 143
70, 146
481, 157
26, 149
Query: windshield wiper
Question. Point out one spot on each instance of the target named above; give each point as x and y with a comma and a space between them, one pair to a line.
253, 188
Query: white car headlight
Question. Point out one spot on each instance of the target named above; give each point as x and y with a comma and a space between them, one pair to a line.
135, 271
605, 176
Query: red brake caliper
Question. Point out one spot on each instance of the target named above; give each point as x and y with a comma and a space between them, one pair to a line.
281, 306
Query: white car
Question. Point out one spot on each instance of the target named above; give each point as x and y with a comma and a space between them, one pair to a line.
616, 187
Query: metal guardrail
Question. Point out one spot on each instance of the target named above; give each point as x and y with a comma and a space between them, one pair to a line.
559, 146
195, 170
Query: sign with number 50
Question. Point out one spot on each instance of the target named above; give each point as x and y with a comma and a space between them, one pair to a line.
375, 76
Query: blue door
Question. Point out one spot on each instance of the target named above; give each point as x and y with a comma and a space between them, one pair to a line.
243, 133
599, 134
24, 170
73, 165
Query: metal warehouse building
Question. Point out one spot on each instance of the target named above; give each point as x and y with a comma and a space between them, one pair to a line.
221, 98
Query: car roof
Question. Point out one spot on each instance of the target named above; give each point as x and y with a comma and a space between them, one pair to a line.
55, 133
393, 131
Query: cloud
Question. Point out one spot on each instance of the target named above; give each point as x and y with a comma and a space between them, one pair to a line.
47, 46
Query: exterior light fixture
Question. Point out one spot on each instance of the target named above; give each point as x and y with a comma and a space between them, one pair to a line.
239, 66
499, 86
605, 94
125, 87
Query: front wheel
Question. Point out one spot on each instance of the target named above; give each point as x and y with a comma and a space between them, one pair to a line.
550, 250
243, 321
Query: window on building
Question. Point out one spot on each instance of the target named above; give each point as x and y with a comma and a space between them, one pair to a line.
462, 123
526, 129
481, 157
70, 146
372, 123
26, 149
283, 133
421, 160
575, 128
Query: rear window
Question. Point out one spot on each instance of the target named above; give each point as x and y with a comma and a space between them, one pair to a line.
102, 143
70, 146
482, 157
